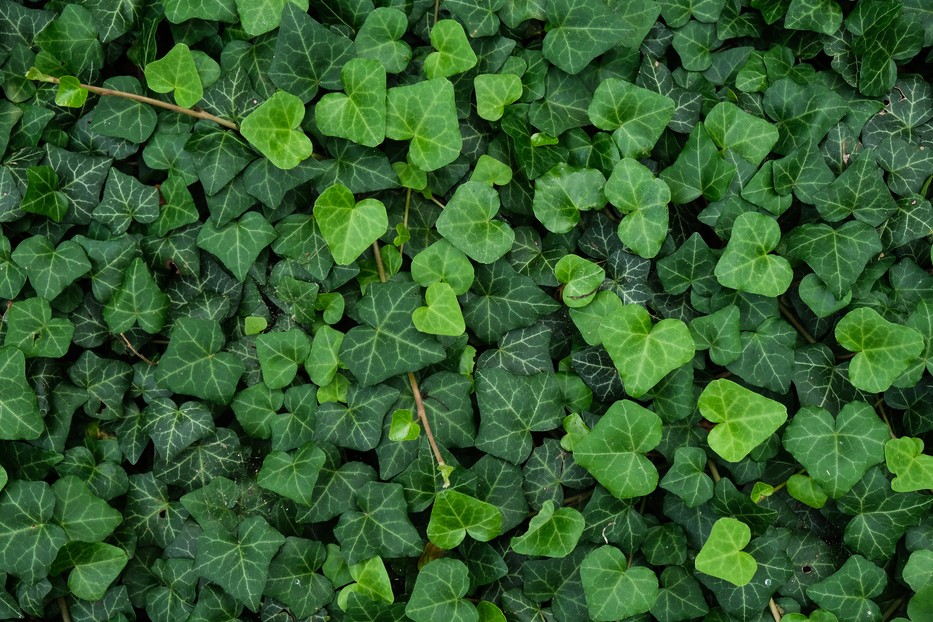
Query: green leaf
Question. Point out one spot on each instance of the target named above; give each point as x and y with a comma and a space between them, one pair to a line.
636, 116
138, 301
425, 113
349, 227
32, 329
746, 419
380, 527
293, 474
494, 92
687, 477
29, 539
360, 115
294, 580
83, 516
698, 170
51, 268
238, 243
468, 222
613, 588
581, 31
455, 515
239, 563
125, 200
883, 349
438, 593
95, 567
581, 280
694, 42
358, 425
372, 582
280, 354
42, 196
644, 352
847, 593
913, 468
740, 133
836, 451
194, 365
746, 264
803, 112
379, 38
643, 199
823, 16
837, 256
71, 38
274, 129
69, 93
442, 262
19, 410
552, 532
721, 555
859, 191
441, 314
403, 426
613, 452
176, 73
563, 192
452, 54
174, 428
806, 490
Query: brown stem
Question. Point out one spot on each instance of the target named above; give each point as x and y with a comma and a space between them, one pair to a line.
578, 498
790, 317
437, 7
879, 405
775, 610
198, 114
63, 608
892, 609
134, 350
379, 265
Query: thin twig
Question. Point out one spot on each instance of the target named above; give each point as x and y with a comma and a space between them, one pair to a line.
379, 265
790, 317
442, 206
437, 7
401, 246
198, 114
63, 607
423, 416
134, 350
879, 405
578, 498
775, 610
713, 471
892, 609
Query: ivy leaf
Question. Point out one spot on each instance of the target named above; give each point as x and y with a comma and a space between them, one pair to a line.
380, 527
293, 474
643, 198
746, 265
125, 200
913, 468
176, 72
884, 349
738, 132
84, 516
360, 115
823, 16
239, 563
426, 114
51, 268
138, 301
636, 116
72, 39
645, 353
613, 588
32, 329
42, 195
29, 539
379, 38
173, 428
20, 418
721, 555
94, 567
358, 425
439, 593
349, 227
294, 580
578, 32
468, 222
274, 129
698, 170
194, 365
441, 314
494, 92
280, 354
837, 256
452, 54
581, 280
455, 515
442, 262
859, 191
848, 592
563, 192
238, 243
746, 418
687, 477
552, 532
613, 451
803, 112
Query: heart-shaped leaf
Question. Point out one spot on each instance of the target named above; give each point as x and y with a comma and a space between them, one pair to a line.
913, 468
94, 567
138, 301
613, 452
455, 515
563, 192
403, 426
745, 265
613, 588
739, 133
746, 419
699, 170
426, 114
274, 128
442, 262
193, 363
645, 353
293, 474
360, 115
439, 593
51, 268
453, 53
467, 222
280, 354
837, 256
42, 194
32, 329
19, 409
494, 91
636, 116
552, 532
348, 227
643, 198
176, 72
581, 279
884, 349
721, 555
238, 243
379, 38
442, 314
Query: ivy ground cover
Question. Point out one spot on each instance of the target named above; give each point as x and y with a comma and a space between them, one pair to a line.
466, 311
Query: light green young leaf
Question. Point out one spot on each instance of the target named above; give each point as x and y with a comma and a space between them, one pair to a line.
645, 353
495, 91
453, 53
441, 314
360, 115
468, 222
721, 555
442, 262
581, 279
552, 532
69, 93
806, 490
426, 114
636, 116
455, 515
274, 128
746, 419
176, 72
439, 593
613, 451
746, 264
379, 38
643, 199
348, 227
403, 426
614, 589
913, 468
884, 350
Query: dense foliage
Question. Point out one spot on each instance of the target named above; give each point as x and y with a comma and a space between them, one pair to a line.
488, 310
